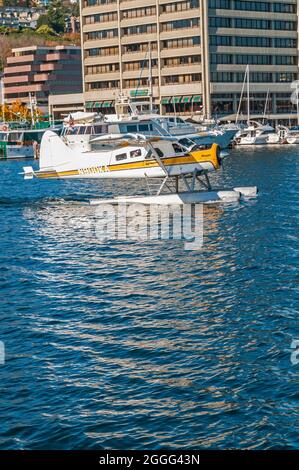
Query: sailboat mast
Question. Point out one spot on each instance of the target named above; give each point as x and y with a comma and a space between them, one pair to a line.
248, 95
2, 99
31, 110
266, 106
150, 77
241, 97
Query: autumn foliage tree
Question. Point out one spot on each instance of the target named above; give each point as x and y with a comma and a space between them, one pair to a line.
17, 111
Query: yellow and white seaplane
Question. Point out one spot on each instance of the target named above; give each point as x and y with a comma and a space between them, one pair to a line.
182, 174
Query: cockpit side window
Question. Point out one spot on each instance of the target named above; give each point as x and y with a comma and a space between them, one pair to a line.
177, 148
135, 153
120, 156
186, 142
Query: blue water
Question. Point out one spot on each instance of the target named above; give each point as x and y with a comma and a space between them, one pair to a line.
120, 344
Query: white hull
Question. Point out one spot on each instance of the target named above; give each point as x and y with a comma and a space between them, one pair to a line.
262, 140
223, 140
14, 151
292, 140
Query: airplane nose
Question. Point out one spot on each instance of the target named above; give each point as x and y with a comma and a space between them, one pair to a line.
219, 159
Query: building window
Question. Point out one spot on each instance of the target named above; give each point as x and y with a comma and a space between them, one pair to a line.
181, 42
139, 12
221, 40
286, 60
139, 47
252, 6
179, 6
180, 24
220, 22
104, 34
184, 60
221, 59
92, 3
222, 4
104, 18
253, 59
106, 68
103, 51
103, 85
251, 41
140, 29
180, 79
285, 42
222, 77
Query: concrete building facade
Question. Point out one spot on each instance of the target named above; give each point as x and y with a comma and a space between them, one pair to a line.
199, 51
42, 71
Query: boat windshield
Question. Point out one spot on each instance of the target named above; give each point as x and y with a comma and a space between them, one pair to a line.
86, 130
3, 136
15, 137
176, 120
32, 136
142, 128
101, 129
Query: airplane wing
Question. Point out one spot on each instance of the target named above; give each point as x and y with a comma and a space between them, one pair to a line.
134, 139
139, 140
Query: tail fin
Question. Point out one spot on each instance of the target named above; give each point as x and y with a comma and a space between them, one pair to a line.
53, 151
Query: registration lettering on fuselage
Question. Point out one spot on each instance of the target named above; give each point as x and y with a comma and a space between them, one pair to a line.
93, 170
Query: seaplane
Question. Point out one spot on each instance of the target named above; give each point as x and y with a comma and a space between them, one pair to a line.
181, 174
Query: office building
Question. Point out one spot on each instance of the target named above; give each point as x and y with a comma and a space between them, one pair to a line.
199, 51
42, 71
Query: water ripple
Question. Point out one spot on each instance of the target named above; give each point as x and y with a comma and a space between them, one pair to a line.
139, 345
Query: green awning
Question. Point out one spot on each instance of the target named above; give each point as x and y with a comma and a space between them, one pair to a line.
176, 99
98, 104
197, 99
134, 93
181, 99
171, 99
107, 104
89, 105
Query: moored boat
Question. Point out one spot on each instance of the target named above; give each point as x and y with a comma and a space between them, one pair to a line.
292, 135
19, 142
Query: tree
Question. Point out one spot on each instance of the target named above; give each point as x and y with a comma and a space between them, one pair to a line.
15, 111
75, 10
56, 16
45, 30
42, 20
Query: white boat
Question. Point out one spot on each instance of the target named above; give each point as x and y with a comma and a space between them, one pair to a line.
258, 134
19, 143
79, 127
254, 133
292, 135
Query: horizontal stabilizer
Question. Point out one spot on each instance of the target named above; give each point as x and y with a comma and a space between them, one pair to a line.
28, 172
